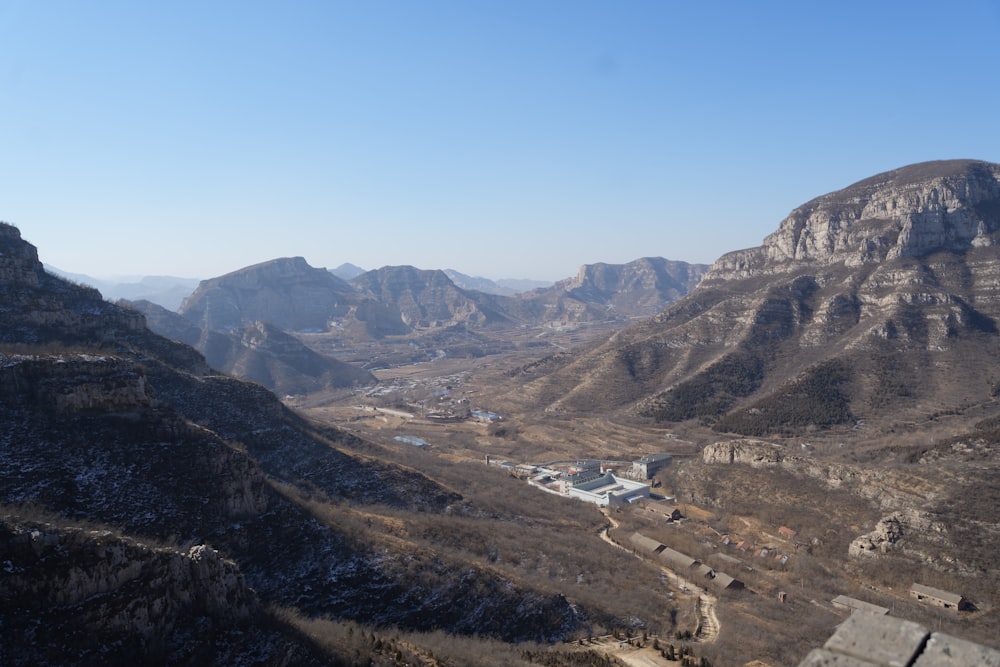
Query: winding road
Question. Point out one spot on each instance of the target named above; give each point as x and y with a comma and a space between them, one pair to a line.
708, 621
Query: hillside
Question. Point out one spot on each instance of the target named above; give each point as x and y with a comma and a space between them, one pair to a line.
877, 301
154, 511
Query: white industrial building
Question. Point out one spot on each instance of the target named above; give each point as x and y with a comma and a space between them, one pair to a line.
609, 490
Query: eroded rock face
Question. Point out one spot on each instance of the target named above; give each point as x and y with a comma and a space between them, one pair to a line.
890, 532
755, 453
908, 212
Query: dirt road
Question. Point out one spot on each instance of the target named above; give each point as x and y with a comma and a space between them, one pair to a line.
708, 621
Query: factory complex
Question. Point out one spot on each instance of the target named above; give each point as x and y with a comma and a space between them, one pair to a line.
592, 480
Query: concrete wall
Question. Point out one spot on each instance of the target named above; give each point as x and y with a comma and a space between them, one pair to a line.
870, 640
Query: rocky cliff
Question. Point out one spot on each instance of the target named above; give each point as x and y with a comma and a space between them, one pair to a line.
914, 211
877, 298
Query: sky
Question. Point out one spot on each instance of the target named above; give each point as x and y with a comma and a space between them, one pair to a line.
505, 138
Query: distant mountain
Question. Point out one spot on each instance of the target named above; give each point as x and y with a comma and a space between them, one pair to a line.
879, 299
429, 298
503, 287
346, 271
286, 292
640, 288
166, 291
259, 352
519, 285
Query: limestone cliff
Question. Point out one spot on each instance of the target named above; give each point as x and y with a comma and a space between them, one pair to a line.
920, 209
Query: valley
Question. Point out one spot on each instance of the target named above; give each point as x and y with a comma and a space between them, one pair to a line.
353, 472
743, 504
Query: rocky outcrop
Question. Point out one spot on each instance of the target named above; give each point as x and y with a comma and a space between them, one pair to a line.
890, 531
887, 489
47, 566
754, 453
76, 595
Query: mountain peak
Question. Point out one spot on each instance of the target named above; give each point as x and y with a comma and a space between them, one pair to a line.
913, 211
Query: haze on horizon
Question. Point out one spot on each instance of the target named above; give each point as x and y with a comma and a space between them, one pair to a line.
507, 140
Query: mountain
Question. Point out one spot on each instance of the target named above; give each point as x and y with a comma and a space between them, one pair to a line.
640, 288
166, 291
503, 287
879, 300
519, 285
286, 292
427, 299
346, 271
259, 352
124, 456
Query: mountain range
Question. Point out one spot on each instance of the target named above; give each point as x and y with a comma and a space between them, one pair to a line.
841, 378
153, 510
280, 322
877, 301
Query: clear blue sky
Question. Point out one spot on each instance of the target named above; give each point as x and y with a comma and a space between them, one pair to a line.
506, 138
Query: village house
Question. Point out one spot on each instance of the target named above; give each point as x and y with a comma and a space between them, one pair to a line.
937, 598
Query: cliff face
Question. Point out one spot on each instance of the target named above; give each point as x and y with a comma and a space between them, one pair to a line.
74, 383
947, 206
39, 307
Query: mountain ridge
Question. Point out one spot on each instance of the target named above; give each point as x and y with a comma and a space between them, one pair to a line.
765, 320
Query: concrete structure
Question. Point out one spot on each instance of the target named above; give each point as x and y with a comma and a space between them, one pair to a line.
646, 545
853, 604
608, 490
675, 560
868, 640
683, 564
581, 472
936, 597
648, 466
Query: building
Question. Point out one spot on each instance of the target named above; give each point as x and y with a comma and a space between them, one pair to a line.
608, 490
648, 466
852, 605
685, 565
787, 533
937, 598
